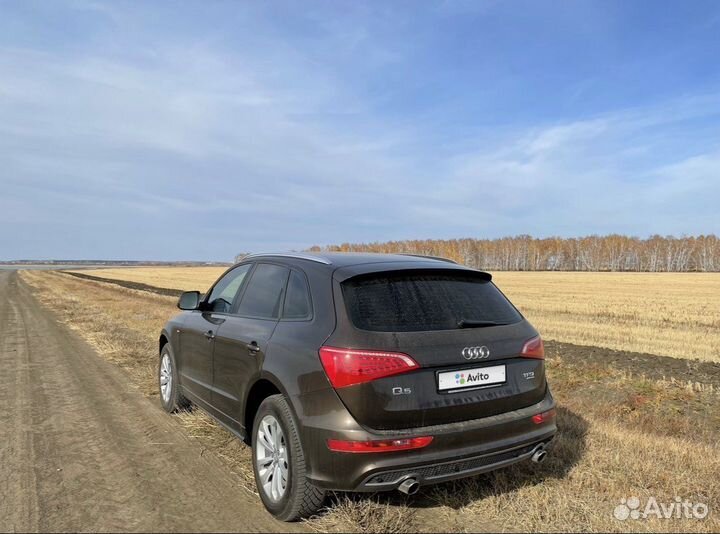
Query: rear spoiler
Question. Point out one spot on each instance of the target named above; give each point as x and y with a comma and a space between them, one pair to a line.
438, 258
351, 271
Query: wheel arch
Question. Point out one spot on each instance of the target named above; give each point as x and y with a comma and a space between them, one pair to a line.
265, 386
163, 340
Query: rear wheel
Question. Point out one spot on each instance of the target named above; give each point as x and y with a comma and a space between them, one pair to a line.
171, 397
279, 463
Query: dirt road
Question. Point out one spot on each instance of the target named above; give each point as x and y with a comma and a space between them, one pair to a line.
81, 450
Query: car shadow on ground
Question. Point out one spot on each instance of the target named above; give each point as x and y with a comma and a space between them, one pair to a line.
566, 450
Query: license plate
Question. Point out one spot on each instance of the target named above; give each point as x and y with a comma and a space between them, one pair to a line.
471, 378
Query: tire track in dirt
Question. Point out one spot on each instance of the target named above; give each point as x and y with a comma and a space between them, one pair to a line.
130, 285
83, 450
15, 426
651, 366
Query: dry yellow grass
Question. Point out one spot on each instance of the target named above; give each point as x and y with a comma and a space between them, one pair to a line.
605, 451
671, 314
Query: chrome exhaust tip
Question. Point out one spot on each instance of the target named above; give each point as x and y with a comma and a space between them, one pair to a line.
539, 454
409, 486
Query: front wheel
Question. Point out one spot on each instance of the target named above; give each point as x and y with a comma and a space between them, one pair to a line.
170, 396
279, 463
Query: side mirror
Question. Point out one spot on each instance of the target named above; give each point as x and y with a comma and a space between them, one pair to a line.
189, 300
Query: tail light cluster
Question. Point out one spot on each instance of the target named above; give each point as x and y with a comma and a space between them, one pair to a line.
347, 367
533, 348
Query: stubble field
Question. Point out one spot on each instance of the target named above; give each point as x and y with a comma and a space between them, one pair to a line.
669, 314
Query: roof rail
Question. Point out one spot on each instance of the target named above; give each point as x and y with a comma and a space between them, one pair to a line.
300, 255
438, 258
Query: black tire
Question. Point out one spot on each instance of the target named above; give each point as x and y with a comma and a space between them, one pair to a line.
175, 401
301, 499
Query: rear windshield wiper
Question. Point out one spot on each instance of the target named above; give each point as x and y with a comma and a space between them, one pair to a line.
469, 323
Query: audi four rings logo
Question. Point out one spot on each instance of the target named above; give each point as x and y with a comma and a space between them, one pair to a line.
476, 353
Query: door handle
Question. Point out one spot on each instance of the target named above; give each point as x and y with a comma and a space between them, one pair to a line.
209, 335
253, 347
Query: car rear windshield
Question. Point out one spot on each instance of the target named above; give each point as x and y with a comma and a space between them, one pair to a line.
414, 302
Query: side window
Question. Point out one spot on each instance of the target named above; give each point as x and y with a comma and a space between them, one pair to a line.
297, 300
265, 292
223, 294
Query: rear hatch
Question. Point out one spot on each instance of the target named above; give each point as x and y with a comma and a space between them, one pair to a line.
462, 332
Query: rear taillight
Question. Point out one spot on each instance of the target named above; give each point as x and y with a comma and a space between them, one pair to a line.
346, 367
540, 418
533, 348
380, 445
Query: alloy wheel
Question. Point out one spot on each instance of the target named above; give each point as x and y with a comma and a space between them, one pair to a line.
165, 378
271, 458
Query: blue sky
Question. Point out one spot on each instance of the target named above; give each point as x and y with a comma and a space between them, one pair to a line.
179, 130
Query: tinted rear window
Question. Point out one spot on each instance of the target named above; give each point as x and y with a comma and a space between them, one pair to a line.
414, 302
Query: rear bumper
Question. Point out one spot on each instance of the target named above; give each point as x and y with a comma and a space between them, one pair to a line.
451, 470
457, 450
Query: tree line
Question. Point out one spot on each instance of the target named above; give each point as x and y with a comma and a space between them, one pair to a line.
592, 253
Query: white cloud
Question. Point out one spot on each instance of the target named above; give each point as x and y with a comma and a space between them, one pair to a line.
269, 146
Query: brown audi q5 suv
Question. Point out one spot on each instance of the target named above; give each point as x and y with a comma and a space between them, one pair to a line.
359, 372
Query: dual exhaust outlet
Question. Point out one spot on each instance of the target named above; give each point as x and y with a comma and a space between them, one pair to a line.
410, 486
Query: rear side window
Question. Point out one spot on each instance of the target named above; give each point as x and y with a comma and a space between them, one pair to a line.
415, 302
264, 294
297, 300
